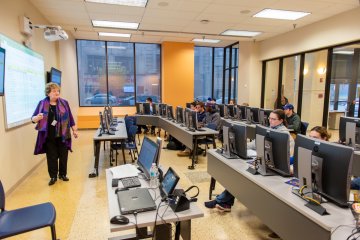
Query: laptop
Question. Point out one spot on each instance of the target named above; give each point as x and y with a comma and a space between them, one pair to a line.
135, 200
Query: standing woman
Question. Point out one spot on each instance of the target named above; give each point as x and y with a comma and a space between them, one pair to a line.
54, 120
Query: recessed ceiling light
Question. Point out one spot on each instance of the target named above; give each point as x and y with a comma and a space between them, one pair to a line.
345, 52
240, 33
206, 40
134, 3
111, 24
108, 34
204, 21
280, 14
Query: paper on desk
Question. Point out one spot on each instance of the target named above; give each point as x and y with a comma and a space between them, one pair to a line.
124, 171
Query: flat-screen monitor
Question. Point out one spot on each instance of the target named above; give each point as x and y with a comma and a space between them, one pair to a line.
179, 114
170, 112
264, 115
329, 168
169, 182
220, 108
147, 156
162, 109
155, 109
55, 76
241, 112
139, 108
146, 108
191, 117
230, 110
252, 114
102, 123
349, 129
276, 149
240, 140
2, 71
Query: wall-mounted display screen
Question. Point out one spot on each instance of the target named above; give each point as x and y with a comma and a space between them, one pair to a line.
2, 70
24, 82
55, 76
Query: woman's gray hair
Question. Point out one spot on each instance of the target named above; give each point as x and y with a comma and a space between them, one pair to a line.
49, 86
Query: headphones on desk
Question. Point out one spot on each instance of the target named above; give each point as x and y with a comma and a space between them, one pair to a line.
194, 197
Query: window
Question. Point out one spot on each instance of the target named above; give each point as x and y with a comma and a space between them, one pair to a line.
211, 78
218, 73
92, 73
203, 73
107, 72
345, 74
120, 72
271, 84
147, 72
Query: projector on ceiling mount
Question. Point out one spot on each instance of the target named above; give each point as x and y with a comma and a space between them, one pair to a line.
55, 34
51, 33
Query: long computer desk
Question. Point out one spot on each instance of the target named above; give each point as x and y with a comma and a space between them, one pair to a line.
251, 134
120, 135
186, 137
270, 199
146, 219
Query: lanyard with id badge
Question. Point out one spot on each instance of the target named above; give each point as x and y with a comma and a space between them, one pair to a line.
53, 122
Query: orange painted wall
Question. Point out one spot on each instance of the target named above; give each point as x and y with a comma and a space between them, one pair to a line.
177, 73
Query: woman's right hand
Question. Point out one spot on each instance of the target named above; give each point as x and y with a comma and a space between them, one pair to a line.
38, 117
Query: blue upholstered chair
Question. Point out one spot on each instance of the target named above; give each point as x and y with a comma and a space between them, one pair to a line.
25, 219
304, 127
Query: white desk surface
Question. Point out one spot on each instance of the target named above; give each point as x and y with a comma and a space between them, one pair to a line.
146, 218
120, 133
276, 186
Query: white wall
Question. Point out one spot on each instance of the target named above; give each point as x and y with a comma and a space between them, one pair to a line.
249, 83
336, 30
17, 145
68, 66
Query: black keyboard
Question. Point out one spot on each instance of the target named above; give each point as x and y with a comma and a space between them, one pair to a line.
131, 182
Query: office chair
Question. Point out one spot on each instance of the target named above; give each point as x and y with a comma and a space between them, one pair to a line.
208, 139
128, 144
304, 127
25, 219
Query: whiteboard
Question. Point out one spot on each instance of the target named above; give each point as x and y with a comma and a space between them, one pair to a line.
24, 82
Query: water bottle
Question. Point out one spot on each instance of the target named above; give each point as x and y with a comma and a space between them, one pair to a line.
154, 176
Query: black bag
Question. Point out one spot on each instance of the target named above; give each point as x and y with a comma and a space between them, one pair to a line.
174, 144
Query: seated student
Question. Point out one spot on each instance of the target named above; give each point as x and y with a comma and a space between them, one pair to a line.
283, 102
200, 108
292, 118
146, 130
320, 133
232, 102
225, 200
212, 116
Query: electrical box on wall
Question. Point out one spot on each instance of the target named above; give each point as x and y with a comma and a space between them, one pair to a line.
25, 26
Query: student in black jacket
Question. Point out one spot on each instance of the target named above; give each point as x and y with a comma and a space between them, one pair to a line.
293, 120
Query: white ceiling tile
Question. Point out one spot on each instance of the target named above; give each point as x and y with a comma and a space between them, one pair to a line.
180, 19
160, 27
211, 28
113, 9
156, 13
177, 5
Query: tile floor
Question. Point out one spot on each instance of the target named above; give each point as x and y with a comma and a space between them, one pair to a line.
81, 203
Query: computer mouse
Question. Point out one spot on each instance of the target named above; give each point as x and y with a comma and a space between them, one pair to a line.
119, 219
120, 189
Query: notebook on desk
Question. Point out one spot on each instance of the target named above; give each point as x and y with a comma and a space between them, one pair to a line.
135, 200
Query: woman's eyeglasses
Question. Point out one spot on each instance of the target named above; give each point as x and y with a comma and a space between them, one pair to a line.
273, 119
